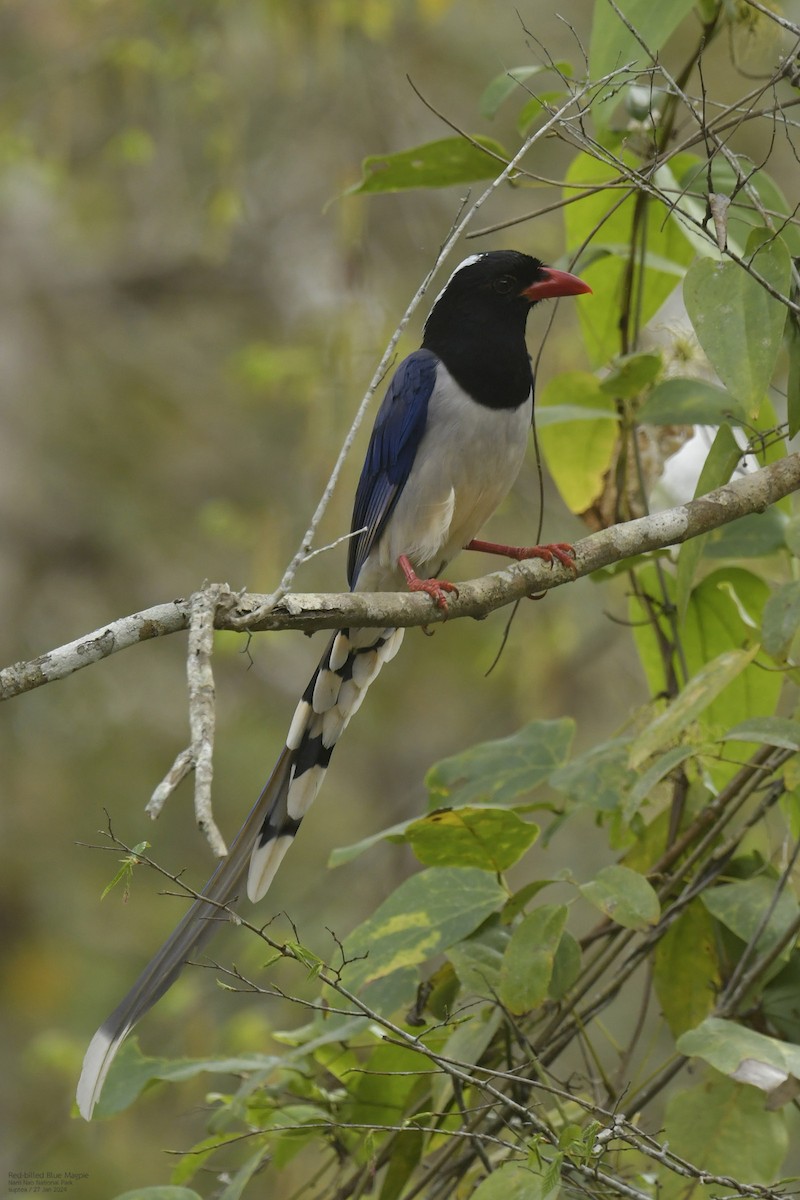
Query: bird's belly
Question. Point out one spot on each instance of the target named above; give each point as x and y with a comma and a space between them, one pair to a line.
465, 466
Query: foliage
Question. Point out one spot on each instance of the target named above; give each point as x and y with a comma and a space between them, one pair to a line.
465, 1038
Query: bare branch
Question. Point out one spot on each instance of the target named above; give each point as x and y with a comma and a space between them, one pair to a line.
199, 756
477, 598
183, 766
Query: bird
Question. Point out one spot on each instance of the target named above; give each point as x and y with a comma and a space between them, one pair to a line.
447, 444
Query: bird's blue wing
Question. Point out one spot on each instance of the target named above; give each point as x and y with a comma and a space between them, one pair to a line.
396, 436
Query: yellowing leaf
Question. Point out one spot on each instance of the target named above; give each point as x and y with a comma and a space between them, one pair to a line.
426, 914
490, 838
699, 692
686, 972
578, 453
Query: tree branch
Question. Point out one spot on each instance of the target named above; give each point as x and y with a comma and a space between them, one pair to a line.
477, 598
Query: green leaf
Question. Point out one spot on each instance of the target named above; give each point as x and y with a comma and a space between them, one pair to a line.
510, 83
737, 322
621, 250
630, 373
478, 959
426, 914
782, 619
725, 610
192, 1161
792, 535
696, 696
662, 767
753, 536
380, 1091
501, 771
513, 1181
132, 1071
435, 164
743, 216
598, 778
516, 903
613, 45
235, 1188
566, 966
528, 961
722, 1127
537, 107
779, 1000
126, 870
284, 1140
721, 462
668, 253
466, 1045
686, 971
406, 1156
770, 731
743, 906
727, 1045
690, 402
490, 838
393, 993
689, 210
577, 455
560, 414
793, 379
344, 854
624, 896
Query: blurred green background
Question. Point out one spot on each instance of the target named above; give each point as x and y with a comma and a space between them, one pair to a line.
188, 319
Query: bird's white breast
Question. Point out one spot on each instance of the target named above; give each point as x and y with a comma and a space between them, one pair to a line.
467, 462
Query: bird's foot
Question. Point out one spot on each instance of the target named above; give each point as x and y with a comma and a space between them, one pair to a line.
561, 552
551, 552
435, 588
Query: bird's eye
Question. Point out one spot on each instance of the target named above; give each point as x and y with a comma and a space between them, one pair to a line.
504, 285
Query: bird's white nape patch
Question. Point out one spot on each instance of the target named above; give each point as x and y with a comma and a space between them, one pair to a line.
467, 262
264, 864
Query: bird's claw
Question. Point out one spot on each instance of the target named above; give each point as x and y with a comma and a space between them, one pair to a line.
561, 552
435, 588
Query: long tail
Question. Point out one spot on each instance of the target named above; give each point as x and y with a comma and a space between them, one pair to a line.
335, 692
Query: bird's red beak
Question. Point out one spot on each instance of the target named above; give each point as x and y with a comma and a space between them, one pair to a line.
555, 283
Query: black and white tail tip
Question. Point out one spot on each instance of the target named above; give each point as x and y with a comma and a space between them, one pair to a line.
334, 694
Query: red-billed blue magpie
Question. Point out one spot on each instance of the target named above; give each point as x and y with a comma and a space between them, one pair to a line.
448, 442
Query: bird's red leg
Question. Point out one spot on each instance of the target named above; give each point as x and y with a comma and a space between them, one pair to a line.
435, 588
561, 552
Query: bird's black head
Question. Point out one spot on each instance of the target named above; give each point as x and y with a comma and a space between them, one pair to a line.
477, 324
